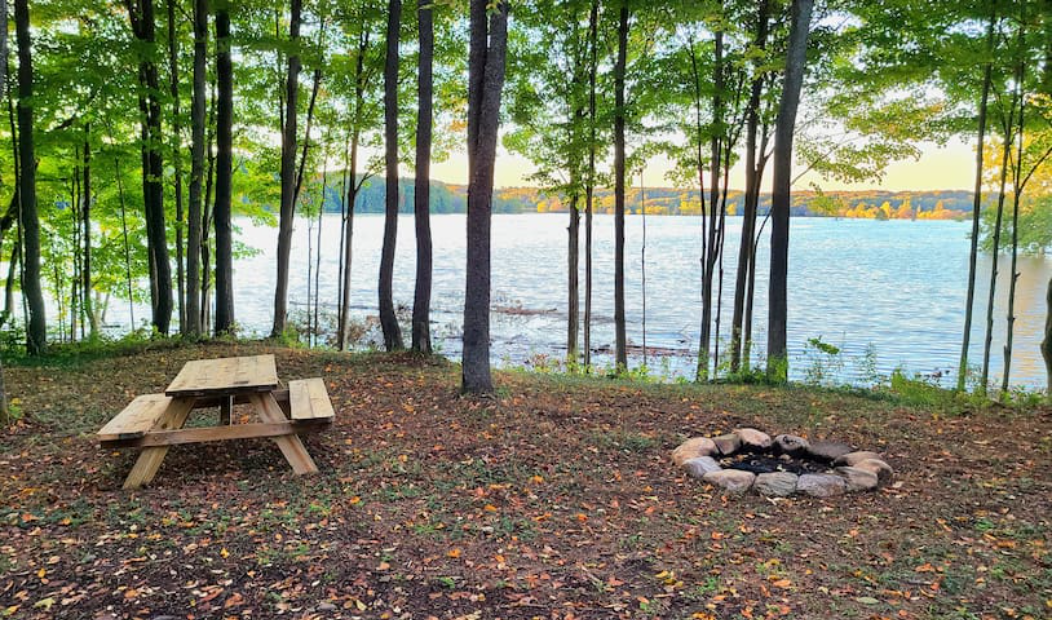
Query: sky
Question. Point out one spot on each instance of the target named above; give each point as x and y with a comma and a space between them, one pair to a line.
939, 168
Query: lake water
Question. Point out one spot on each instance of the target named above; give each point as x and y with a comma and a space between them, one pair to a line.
895, 288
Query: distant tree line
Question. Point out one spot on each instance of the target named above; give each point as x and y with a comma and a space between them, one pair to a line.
875, 204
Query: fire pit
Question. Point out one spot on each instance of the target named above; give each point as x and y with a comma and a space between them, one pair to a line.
747, 459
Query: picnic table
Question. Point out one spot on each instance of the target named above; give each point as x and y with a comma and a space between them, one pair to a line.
154, 422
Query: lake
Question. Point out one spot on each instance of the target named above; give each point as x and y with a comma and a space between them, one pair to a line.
893, 288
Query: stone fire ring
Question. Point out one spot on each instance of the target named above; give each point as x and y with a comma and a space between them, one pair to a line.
837, 467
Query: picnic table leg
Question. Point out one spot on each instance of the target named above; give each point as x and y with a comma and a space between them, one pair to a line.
226, 407
150, 459
291, 446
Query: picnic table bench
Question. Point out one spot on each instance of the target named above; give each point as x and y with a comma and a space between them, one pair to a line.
154, 422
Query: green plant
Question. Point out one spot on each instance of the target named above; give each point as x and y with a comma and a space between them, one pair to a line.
825, 362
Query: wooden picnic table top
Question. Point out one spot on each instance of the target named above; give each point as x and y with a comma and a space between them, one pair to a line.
225, 376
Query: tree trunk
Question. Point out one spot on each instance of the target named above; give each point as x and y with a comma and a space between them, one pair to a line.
1018, 183
1046, 344
976, 211
977, 204
619, 190
589, 189
573, 292
141, 15
127, 244
288, 173
1006, 153
422, 194
5, 413
208, 212
781, 199
388, 318
343, 325
752, 191
224, 259
197, 171
89, 306
711, 252
36, 329
486, 66
177, 160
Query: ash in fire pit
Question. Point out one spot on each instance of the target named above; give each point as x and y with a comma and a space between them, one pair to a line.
765, 464
750, 459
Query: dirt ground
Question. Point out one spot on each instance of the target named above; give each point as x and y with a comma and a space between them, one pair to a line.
554, 499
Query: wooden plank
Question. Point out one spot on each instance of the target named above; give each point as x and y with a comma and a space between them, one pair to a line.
290, 445
151, 458
309, 400
138, 417
282, 396
225, 376
217, 433
226, 408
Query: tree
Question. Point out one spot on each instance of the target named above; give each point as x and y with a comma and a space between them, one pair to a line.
422, 195
1046, 344
621, 344
388, 319
288, 172
755, 163
192, 327
224, 260
589, 188
36, 332
177, 165
781, 199
549, 112
5, 413
486, 64
361, 119
141, 15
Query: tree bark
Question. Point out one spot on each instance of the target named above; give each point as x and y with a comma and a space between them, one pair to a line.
343, 326
197, 171
1018, 183
977, 205
388, 318
36, 330
619, 190
1046, 344
422, 194
781, 199
224, 259
89, 306
177, 161
589, 189
486, 66
288, 173
573, 287
141, 15
711, 246
752, 191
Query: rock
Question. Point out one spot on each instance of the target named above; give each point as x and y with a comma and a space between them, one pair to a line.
778, 483
326, 607
793, 445
693, 448
753, 440
851, 458
882, 470
828, 451
732, 480
858, 479
698, 467
821, 485
728, 444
